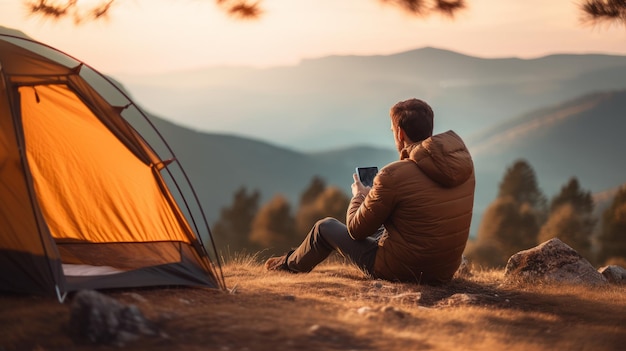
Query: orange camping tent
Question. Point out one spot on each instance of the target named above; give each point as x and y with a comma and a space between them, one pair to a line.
85, 201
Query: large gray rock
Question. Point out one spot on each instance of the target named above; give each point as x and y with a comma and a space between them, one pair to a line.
614, 274
103, 320
555, 262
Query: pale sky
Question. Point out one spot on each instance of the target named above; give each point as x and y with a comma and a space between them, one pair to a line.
150, 36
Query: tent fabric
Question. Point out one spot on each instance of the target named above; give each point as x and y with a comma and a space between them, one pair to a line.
27, 256
89, 185
80, 186
34, 60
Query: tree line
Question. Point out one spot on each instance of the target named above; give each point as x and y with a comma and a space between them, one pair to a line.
520, 217
276, 226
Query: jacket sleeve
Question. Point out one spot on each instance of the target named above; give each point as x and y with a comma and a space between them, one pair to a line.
365, 216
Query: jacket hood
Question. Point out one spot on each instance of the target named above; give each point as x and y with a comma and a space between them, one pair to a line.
444, 158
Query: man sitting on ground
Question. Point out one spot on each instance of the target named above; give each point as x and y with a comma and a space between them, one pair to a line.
412, 225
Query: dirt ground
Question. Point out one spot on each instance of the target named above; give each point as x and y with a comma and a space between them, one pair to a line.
335, 307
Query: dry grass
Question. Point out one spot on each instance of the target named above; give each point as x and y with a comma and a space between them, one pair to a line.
336, 307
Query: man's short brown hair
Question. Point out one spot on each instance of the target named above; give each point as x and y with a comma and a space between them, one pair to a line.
415, 117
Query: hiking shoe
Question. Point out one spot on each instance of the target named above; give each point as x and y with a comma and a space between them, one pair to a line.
278, 263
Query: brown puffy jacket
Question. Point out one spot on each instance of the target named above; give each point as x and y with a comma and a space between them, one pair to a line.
425, 203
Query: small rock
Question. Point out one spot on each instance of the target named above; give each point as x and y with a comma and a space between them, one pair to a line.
320, 331
289, 297
614, 274
552, 261
407, 295
103, 320
458, 300
377, 284
364, 310
314, 328
393, 311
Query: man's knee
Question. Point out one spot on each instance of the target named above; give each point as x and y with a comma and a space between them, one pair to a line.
330, 230
327, 224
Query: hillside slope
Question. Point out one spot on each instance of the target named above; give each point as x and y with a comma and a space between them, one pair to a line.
581, 138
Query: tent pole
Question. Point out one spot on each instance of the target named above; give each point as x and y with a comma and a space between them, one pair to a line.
60, 296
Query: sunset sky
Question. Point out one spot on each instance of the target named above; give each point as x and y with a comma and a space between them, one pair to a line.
148, 36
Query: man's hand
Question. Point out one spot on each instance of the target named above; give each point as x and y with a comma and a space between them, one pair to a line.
358, 188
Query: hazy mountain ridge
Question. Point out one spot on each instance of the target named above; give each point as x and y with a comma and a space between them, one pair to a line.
432, 65
436, 65
515, 128
340, 101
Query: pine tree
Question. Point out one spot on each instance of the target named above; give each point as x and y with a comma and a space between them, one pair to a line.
520, 183
332, 202
310, 194
612, 238
232, 229
273, 228
571, 219
571, 227
507, 227
307, 213
571, 193
511, 223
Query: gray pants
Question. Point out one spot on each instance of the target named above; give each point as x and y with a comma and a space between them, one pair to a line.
328, 235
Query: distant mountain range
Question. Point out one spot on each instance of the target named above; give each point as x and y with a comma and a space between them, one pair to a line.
342, 101
562, 113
